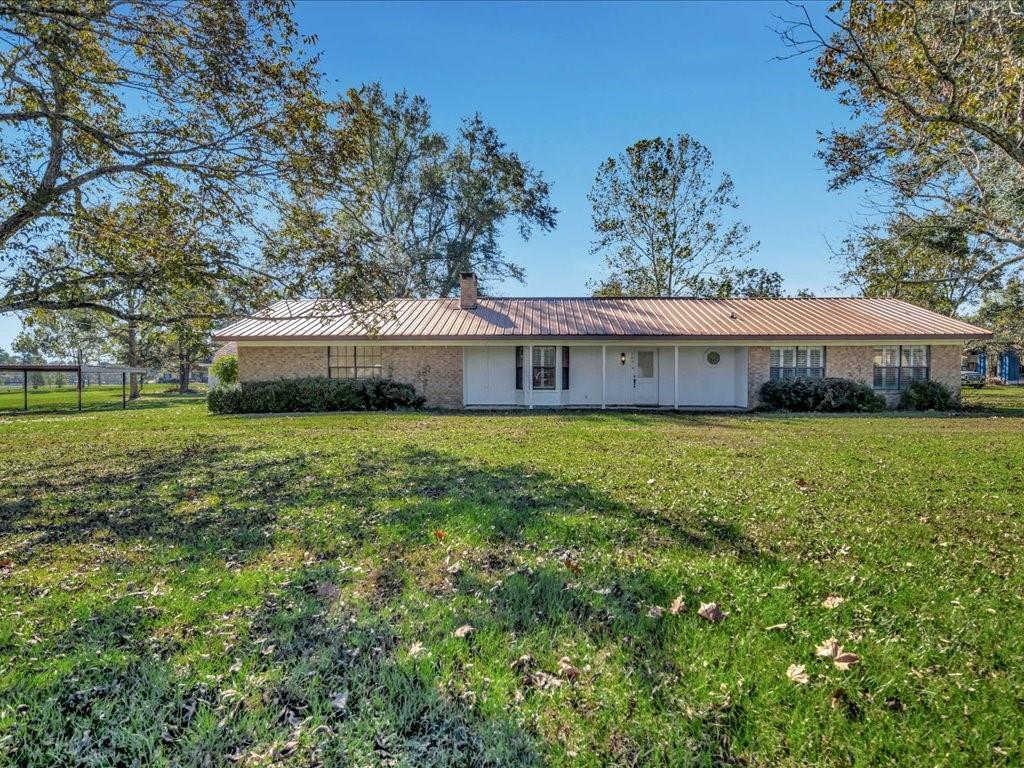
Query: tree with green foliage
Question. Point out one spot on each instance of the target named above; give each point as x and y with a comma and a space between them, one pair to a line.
98, 96
926, 261
225, 368
660, 215
79, 336
404, 207
935, 87
1002, 311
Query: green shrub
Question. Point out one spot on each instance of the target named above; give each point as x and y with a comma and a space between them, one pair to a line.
927, 396
225, 368
314, 394
823, 395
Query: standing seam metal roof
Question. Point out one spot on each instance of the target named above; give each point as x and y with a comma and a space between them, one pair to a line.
497, 318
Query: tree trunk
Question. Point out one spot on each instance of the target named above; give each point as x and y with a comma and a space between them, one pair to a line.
184, 369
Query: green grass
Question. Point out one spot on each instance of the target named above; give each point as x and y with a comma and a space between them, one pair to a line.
59, 398
189, 590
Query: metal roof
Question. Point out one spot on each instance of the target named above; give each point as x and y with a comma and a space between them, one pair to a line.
600, 318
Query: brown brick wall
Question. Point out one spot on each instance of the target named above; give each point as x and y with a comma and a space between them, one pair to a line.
436, 372
858, 363
268, 363
945, 366
758, 365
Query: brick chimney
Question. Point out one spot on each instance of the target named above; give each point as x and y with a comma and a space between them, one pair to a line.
467, 290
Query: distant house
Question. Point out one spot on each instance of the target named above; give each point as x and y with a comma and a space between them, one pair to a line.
1002, 366
475, 351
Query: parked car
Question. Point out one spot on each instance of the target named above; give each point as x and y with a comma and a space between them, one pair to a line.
974, 379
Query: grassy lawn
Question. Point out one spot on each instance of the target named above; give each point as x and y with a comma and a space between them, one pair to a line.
183, 589
59, 398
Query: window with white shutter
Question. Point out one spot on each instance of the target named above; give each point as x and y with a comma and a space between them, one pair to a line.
797, 363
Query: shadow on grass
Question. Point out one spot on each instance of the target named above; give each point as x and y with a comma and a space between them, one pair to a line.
309, 678
203, 498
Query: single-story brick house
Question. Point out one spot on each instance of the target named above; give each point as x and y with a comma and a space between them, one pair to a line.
475, 351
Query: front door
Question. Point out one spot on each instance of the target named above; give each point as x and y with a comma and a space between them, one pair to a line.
645, 378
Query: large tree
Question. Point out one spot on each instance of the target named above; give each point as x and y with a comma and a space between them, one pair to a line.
662, 220
928, 261
79, 336
99, 95
390, 201
1002, 311
935, 88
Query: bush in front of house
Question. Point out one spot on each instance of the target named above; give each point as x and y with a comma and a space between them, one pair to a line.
927, 396
225, 368
821, 395
315, 393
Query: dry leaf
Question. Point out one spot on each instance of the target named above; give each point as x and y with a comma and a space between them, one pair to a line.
828, 648
776, 627
833, 601
572, 565
416, 649
454, 568
566, 669
523, 663
845, 660
831, 649
710, 611
655, 612
797, 674
464, 630
440, 535
803, 485
678, 606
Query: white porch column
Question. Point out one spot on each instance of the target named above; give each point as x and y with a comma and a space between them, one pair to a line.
604, 365
529, 386
675, 376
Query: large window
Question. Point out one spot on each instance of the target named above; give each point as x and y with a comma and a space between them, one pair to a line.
355, 363
897, 367
565, 367
543, 367
797, 363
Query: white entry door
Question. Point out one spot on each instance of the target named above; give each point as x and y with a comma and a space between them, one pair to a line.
645, 377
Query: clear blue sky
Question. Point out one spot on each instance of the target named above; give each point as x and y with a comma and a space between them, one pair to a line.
568, 85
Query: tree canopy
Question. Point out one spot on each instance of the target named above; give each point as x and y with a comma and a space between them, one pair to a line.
99, 96
934, 87
395, 203
662, 220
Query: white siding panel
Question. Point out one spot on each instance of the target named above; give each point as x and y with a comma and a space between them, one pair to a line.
704, 385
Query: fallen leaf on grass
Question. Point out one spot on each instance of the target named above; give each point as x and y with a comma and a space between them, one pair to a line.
711, 612
440, 535
831, 649
776, 627
803, 485
678, 606
464, 630
655, 612
566, 669
833, 601
523, 663
416, 649
797, 674
572, 565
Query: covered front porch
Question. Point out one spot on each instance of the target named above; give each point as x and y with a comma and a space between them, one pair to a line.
590, 375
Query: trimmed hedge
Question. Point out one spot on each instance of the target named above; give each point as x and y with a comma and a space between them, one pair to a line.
927, 396
821, 395
315, 393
